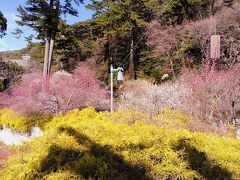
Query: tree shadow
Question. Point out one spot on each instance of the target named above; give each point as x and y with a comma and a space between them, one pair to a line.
199, 162
95, 162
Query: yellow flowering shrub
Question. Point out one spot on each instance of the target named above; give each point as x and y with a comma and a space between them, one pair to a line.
92, 145
172, 118
23, 123
62, 175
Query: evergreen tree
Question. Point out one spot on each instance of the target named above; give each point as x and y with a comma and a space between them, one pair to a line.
176, 11
75, 43
3, 25
122, 18
44, 16
10, 73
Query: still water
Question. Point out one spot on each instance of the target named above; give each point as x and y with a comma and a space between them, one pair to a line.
10, 137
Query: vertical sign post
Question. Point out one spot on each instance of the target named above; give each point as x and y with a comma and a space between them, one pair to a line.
215, 47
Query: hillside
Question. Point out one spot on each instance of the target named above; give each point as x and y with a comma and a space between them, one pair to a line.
9, 55
120, 90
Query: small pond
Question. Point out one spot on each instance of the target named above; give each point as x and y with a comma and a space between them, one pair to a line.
10, 137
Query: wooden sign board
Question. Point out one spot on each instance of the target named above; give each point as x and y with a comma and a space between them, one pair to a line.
215, 47
238, 134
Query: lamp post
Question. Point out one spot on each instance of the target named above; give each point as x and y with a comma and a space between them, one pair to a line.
119, 78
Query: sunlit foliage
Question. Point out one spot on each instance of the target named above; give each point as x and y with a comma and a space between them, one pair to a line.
88, 145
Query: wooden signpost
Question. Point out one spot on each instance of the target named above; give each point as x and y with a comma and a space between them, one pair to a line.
215, 47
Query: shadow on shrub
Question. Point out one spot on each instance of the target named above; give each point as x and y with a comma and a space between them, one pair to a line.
199, 162
98, 162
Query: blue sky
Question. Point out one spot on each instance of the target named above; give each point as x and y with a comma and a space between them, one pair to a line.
9, 9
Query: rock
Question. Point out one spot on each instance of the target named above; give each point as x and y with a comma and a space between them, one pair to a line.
165, 76
62, 73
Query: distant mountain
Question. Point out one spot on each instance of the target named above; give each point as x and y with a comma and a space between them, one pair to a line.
9, 55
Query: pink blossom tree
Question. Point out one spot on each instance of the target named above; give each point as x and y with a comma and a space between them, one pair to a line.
209, 93
164, 40
58, 94
225, 23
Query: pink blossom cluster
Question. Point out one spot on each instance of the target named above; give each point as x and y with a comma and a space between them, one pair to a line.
57, 94
211, 94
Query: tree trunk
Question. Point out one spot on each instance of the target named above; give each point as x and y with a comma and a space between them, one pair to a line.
51, 35
46, 54
50, 55
131, 68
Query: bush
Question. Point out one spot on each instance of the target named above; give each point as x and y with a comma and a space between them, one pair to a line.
88, 145
151, 99
59, 94
211, 94
10, 73
168, 118
20, 122
208, 95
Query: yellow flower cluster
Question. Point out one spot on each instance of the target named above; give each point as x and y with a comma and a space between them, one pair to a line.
97, 145
20, 122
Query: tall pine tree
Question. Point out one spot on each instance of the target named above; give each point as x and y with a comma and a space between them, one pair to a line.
44, 16
124, 17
